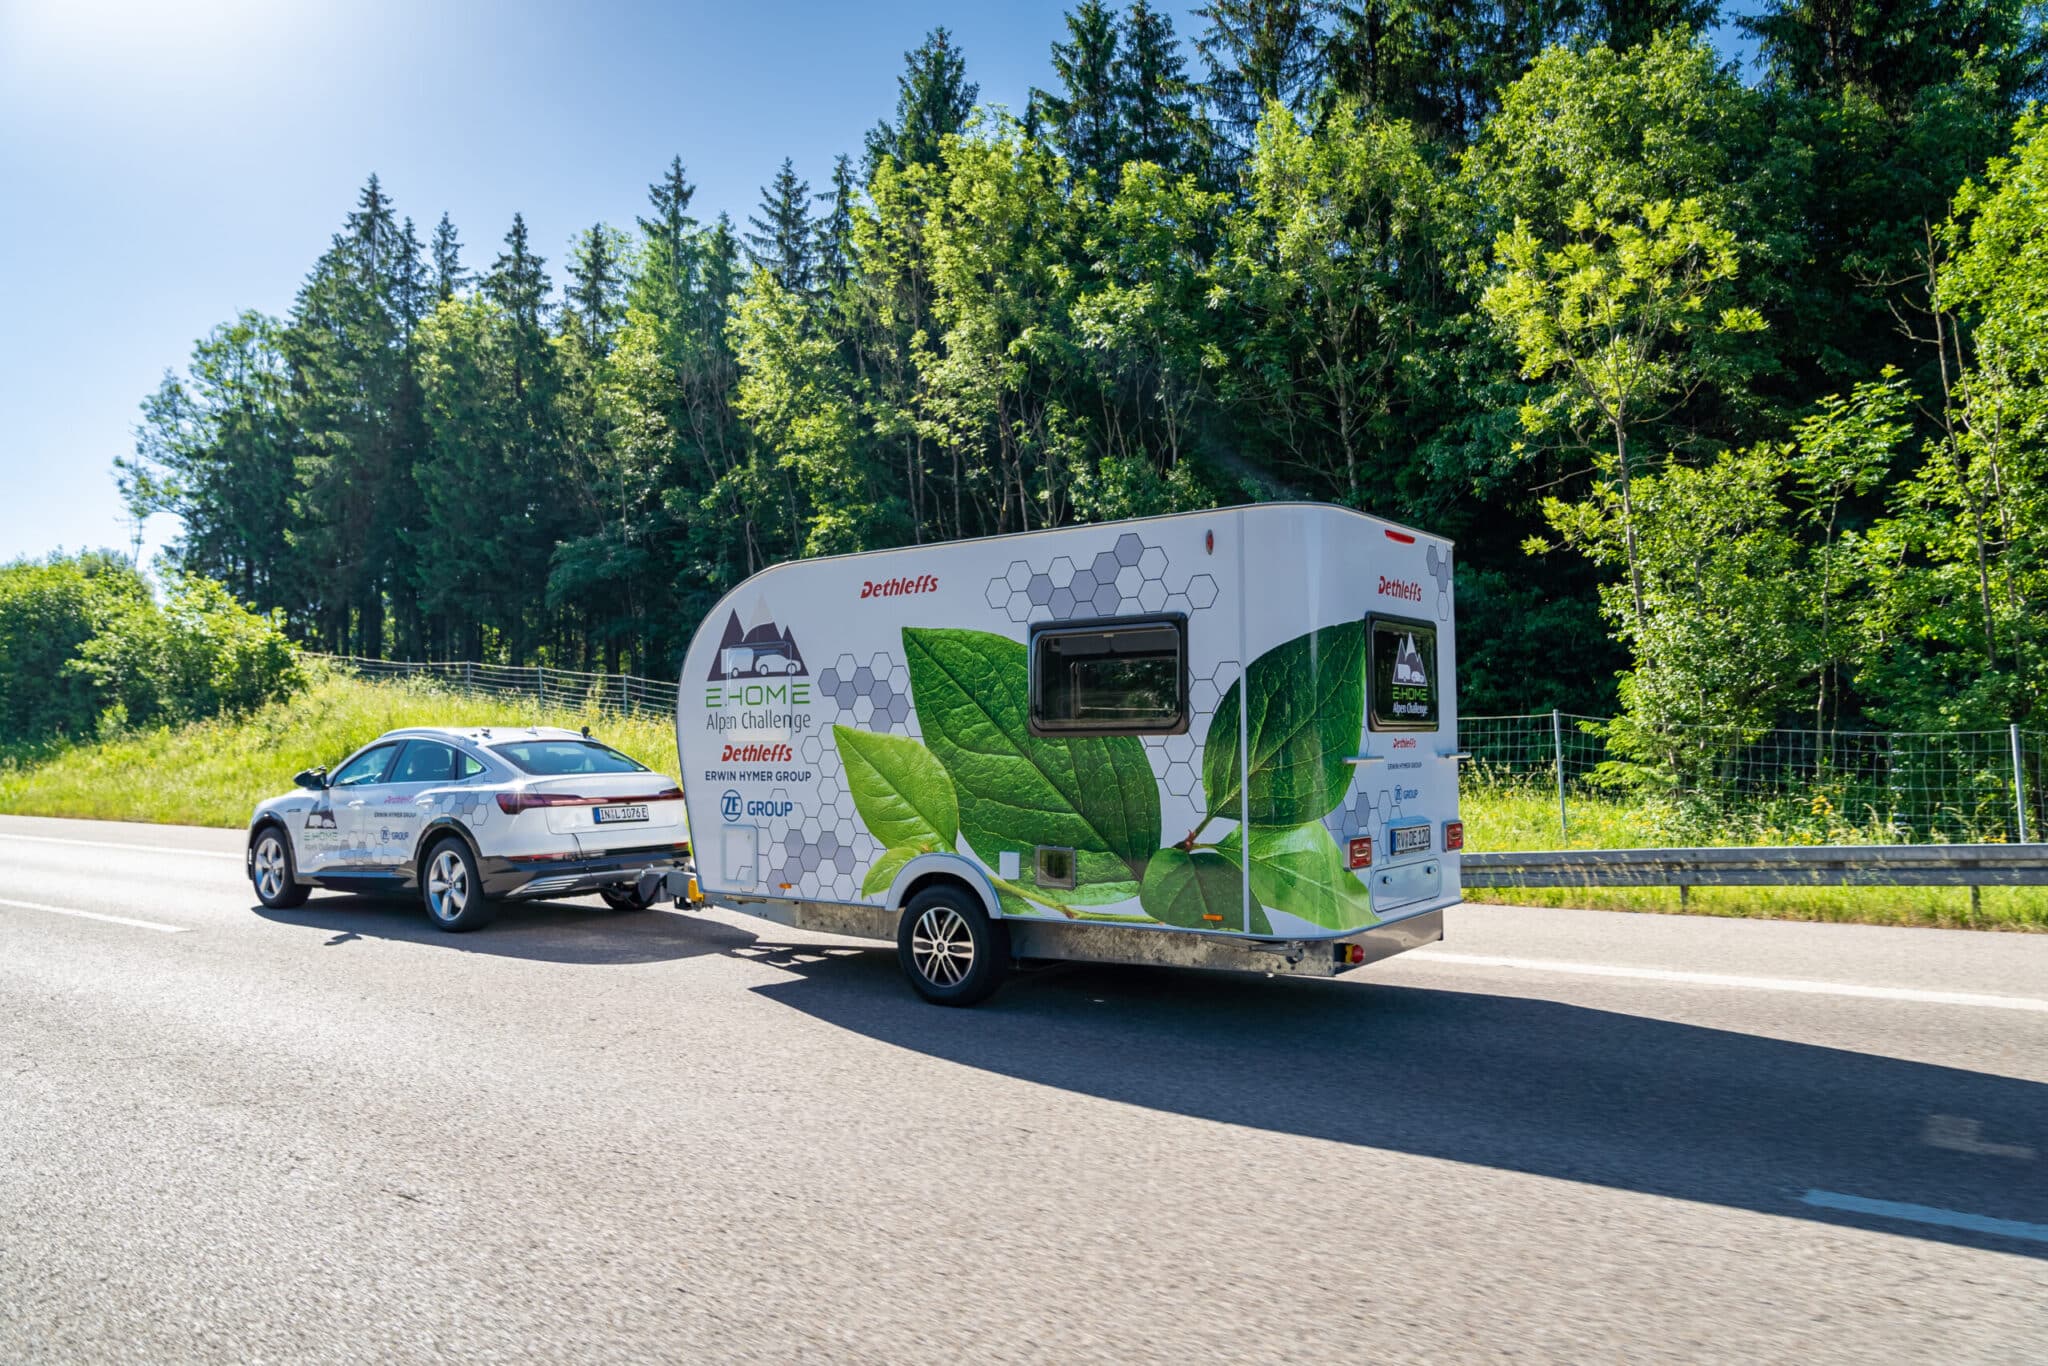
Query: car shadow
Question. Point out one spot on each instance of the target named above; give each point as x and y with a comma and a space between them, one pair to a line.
541, 931
1520, 1084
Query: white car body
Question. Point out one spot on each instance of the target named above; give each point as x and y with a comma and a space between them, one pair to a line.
371, 826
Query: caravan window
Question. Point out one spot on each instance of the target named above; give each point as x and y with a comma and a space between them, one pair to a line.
1403, 674
1110, 677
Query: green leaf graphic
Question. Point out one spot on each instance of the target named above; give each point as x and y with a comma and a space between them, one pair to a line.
902, 793
1304, 720
1183, 889
1300, 870
888, 866
1016, 789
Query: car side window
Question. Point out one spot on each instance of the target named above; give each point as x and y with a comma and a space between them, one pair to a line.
427, 761
470, 767
368, 767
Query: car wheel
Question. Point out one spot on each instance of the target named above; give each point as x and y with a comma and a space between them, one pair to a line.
626, 898
453, 890
272, 872
953, 954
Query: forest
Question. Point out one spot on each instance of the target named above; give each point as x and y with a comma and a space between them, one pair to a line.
1730, 384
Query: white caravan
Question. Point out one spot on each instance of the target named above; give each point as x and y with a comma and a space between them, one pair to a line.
1038, 745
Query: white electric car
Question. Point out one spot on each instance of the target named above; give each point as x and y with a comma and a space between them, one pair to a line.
468, 817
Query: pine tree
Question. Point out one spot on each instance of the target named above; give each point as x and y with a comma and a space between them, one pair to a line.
1151, 81
1084, 121
834, 248
934, 99
596, 286
1257, 52
668, 232
518, 282
781, 242
449, 276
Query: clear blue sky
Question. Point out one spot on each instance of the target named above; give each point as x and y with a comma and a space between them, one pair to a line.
165, 165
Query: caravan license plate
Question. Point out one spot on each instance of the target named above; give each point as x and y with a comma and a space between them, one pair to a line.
1409, 839
615, 815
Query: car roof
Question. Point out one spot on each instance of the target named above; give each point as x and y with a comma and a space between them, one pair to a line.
483, 735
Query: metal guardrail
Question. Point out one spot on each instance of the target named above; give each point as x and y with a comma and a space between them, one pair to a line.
1823, 865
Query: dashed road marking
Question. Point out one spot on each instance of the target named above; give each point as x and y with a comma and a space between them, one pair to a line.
1927, 1214
115, 844
1961, 1135
1799, 985
95, 915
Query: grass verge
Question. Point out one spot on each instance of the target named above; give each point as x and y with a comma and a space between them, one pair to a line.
214, 772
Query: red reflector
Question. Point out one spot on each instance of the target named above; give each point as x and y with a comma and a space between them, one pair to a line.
1403, 537
1454, 835
1350, 954
1361, 851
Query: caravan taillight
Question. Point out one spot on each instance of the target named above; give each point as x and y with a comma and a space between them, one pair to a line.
1361, 851
1454, 836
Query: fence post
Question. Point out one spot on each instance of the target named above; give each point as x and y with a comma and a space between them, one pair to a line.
1557, 749
2019, 781
540, 679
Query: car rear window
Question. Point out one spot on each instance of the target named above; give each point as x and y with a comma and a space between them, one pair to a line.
553, 758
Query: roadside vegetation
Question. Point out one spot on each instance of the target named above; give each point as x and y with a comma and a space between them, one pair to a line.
212, 772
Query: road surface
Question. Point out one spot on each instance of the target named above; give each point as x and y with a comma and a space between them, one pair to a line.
336, 1134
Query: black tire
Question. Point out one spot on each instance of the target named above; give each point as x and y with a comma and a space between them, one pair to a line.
625, 897
271, 864
953, 954
452, 889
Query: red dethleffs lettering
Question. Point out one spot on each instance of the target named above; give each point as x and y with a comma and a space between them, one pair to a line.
1400, 588
755, 754
896, 588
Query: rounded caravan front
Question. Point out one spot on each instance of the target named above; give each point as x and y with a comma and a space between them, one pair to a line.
1216, 739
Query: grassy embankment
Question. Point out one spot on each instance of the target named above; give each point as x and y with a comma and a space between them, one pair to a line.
214, 772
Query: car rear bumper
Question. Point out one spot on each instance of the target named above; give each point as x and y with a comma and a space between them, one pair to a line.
533, 877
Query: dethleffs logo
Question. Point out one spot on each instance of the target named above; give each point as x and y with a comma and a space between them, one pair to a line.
1400, 588
896, 588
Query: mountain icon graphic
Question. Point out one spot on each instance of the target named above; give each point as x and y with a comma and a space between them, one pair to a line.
765, 651
1408, 667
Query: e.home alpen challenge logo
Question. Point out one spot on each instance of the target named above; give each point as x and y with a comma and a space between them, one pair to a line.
762, 650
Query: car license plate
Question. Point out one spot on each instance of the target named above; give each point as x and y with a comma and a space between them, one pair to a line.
1409, 839
615, 815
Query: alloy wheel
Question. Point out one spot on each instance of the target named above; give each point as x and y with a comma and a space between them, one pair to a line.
448, 885
942, 946
269, 866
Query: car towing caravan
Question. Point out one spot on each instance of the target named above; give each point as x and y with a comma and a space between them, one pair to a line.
1220, 739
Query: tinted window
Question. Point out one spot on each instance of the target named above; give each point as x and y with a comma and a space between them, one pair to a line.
368, 767
430, 761
1403, 673
549, 758
1124, 678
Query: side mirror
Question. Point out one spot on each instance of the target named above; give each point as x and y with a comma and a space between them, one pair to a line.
312, 779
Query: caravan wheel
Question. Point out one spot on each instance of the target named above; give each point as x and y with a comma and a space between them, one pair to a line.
953, 954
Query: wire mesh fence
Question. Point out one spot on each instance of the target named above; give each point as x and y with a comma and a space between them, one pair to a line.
566, 687
1557, 775
1788, 785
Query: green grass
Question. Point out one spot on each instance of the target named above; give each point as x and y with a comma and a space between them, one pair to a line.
212, 773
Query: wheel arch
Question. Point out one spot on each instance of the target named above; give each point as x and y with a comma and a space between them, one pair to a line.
430, 836
927, 870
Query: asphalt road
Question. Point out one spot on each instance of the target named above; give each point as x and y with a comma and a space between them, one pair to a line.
337, 1134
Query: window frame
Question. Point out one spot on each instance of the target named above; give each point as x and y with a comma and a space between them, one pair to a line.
460, 760
1038, 725
1373, 720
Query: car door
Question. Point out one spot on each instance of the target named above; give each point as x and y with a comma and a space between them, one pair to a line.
425, 770
354, 796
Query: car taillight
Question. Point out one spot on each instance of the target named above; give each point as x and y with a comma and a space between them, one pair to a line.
1454, 835
512, 803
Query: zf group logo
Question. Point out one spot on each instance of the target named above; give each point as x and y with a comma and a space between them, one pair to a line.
729, 805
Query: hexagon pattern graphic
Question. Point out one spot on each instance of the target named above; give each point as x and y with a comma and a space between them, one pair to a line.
820, 849
1439, 566
1127, 577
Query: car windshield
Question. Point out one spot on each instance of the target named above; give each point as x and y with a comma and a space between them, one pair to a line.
550, 758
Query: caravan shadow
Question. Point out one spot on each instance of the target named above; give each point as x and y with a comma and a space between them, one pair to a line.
1526, 1085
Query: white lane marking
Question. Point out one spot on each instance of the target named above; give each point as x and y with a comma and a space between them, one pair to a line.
1806, 986
1927, 1214
1963, 1135
112, 844
95, 915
